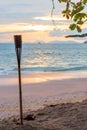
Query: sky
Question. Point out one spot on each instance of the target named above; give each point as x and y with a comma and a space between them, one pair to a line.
32, 19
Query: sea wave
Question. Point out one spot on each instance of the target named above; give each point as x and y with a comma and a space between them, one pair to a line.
40, 69
44, 58
49, 69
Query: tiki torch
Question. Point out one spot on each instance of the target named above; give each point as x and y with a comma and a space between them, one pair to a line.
18, 49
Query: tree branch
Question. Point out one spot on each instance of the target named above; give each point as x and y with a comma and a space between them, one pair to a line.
52, 8
82, 35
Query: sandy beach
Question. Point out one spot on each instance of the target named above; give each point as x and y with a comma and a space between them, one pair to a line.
41, 90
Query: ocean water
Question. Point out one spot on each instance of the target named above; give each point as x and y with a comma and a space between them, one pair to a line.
51, 57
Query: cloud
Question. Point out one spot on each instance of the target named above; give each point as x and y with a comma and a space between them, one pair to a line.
24, 27
60, 35
56, 33
24, 10
49, 18
20, 10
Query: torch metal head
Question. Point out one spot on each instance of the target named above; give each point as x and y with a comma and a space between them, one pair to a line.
18, 41
18, 47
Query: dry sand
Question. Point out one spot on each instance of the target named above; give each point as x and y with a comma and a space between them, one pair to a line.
41, 90
64, 116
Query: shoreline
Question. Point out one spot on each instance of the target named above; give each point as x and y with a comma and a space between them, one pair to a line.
40, 77
44, 89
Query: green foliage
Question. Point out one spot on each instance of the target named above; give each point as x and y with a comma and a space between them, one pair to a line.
72, 26
78, 28
62, 0
84, 1
76, 12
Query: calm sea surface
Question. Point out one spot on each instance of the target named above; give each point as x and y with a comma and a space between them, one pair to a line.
44, 58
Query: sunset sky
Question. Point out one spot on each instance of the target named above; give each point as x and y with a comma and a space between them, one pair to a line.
32, 19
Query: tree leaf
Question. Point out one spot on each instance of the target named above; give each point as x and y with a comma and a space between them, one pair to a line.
72, 26
63, 0
78, 28
80, 22
84, 1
